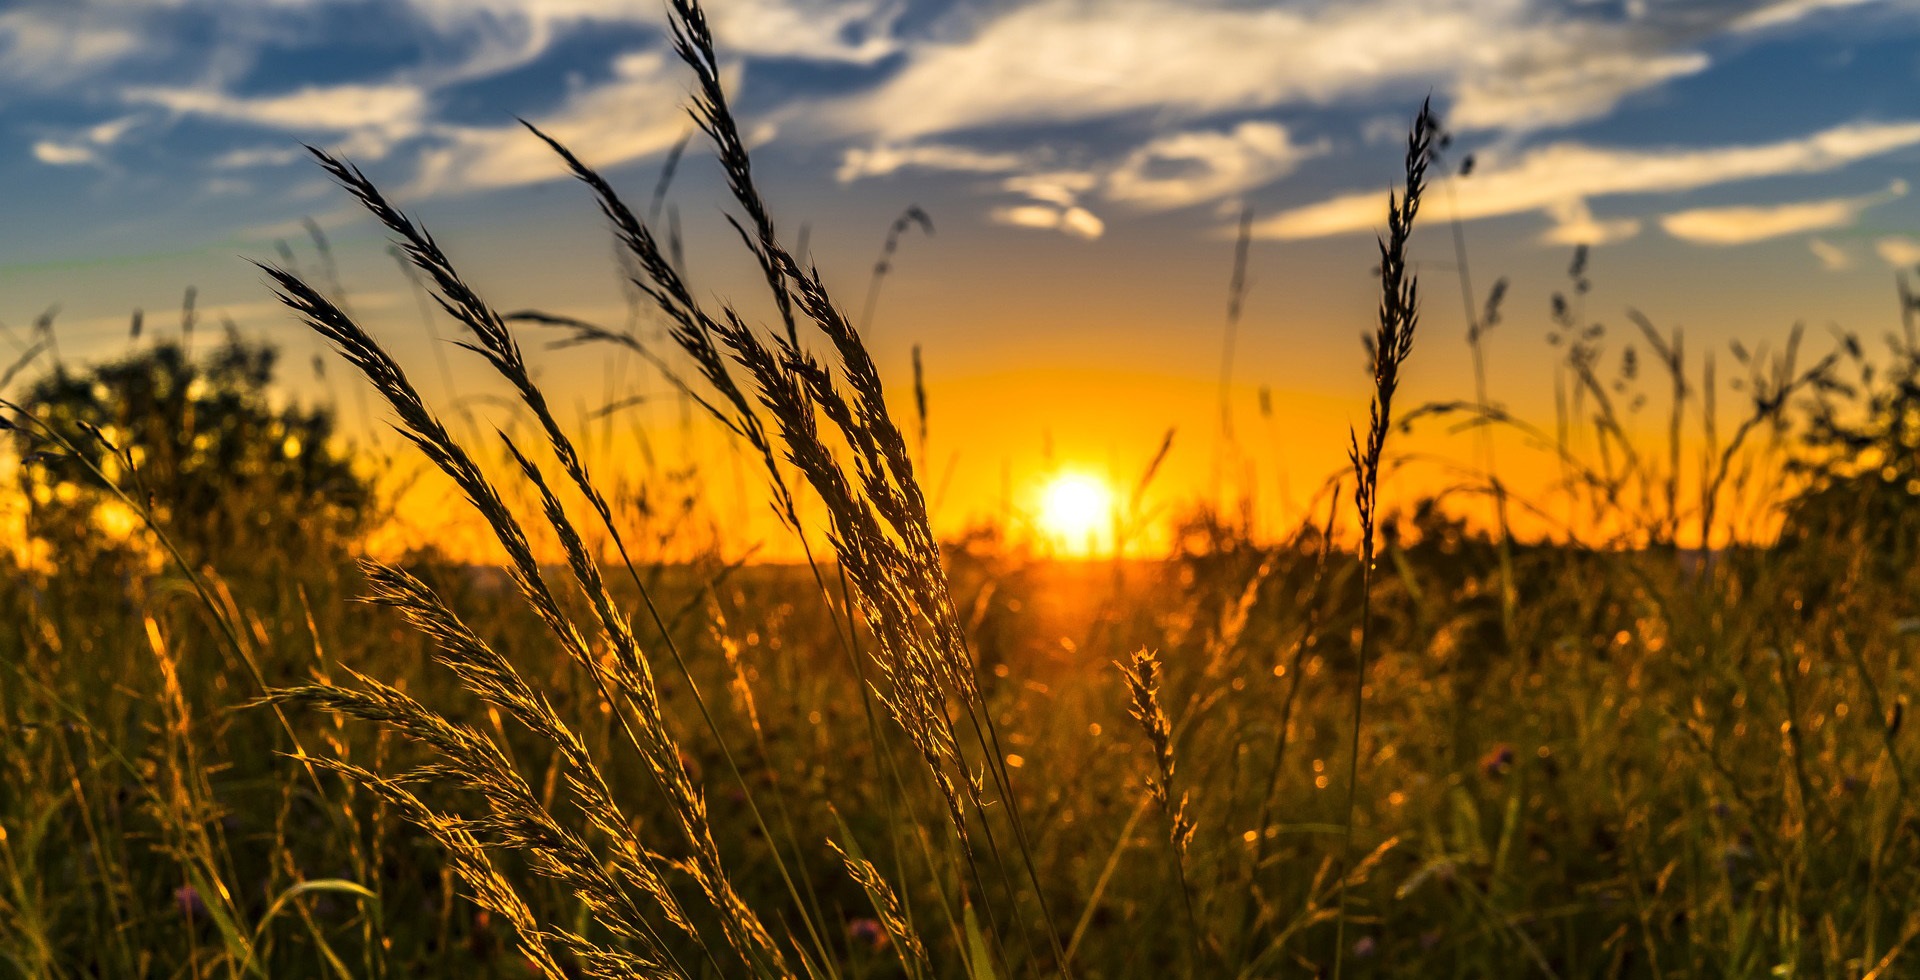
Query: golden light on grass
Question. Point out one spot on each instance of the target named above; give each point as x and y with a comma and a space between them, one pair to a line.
1076, 513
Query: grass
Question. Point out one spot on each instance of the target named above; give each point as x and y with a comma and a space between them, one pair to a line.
1415, 748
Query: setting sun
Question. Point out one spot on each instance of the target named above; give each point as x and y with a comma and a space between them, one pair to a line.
1076, 511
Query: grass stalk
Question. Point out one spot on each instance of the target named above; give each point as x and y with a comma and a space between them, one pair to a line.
1389, 348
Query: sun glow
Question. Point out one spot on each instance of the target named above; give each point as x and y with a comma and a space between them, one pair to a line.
1076, 513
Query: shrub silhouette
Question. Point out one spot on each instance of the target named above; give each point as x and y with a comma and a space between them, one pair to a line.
224, 471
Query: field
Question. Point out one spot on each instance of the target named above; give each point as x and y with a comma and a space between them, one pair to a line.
1662, 737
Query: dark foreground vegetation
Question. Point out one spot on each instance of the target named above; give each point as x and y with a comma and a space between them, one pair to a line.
1391, 744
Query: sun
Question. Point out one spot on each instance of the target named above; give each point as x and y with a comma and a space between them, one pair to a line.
1076, 511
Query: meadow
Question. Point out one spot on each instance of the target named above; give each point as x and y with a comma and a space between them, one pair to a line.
1663, 736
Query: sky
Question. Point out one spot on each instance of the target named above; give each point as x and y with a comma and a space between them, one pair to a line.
1736, 167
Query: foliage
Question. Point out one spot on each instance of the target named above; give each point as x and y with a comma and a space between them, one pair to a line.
227, 472
1861, 454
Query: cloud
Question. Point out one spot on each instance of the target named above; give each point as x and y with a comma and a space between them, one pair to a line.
1574, 224
1061, 188
1899, 251
1555, 175
859, 31
853, 31
1505, 64
1832, 257
392, 107
882, 160
1740, 225
1070, 219
635, 112
1178, 170
638, 113
82, 146
363, 121
1053, 202
257, 156
1061, 60
1556, 79
109, 132
63, 154
1194, 167
376, 106
1780, 14
45, 47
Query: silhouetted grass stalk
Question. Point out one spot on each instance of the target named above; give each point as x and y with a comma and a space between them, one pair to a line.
1389, 347
877, 512
1227, 452
1479, 322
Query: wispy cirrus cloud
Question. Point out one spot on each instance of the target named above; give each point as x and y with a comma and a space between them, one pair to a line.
1194, 167
1771, 15
83, 145
854, 31
1510, 67
617, 113
640, 111
46, 46
1180, 169
1505, 64
1899, 251
1152, 105
1067, 219
359, 120
1065, 60
860, 162
636, 111
57, 154
390, 107
1575, 224
1833, 258
1752, 223
1559, 176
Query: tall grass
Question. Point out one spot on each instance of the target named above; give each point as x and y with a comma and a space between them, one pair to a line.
1592, 755
1389, 348
881, 537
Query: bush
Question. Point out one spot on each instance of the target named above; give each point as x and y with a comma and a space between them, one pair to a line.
223, 471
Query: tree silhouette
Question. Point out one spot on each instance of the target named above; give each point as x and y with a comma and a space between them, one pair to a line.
227, 473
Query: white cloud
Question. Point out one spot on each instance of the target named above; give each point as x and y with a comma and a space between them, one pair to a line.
1574, 224
1506, 64
109, 132
1555, 175
856, 31
363, 121
1061, 188
83, 145
884, 159
393, 107
1164, 66
50, 46
1071, 220
257, 156
1740, 225
1832, 257
1173, 171
1788, 11
1058, 60
1190, 168
1556, 78
637, 113
1899, 251
63, 154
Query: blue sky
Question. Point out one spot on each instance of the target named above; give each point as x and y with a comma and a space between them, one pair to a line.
1738, 165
